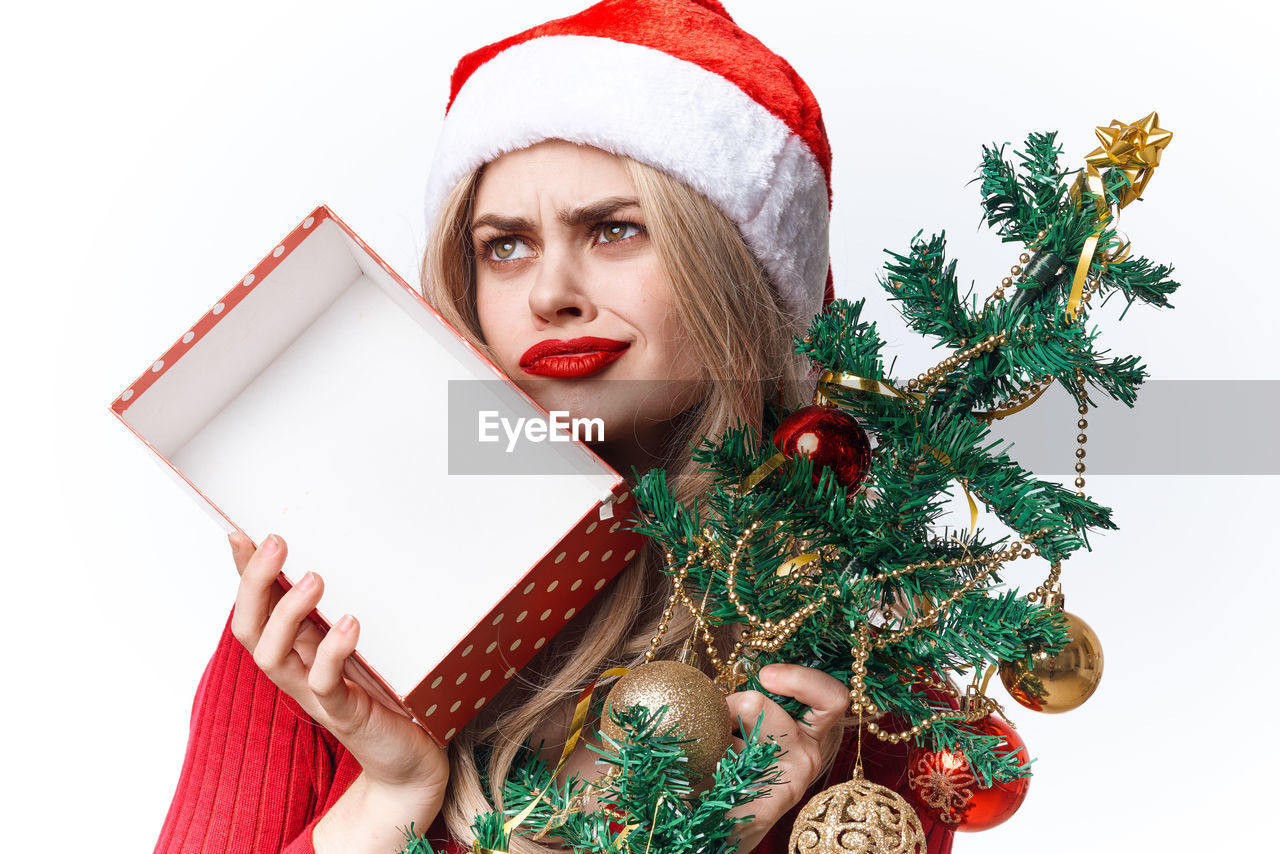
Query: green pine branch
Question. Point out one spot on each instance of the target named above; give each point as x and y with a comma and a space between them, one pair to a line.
924, 284
646, 798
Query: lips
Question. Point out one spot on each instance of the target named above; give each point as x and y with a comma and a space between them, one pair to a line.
577, 357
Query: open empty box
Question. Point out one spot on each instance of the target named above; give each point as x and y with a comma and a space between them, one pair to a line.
310, 401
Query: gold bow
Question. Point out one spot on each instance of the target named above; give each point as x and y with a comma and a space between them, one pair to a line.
1134, 150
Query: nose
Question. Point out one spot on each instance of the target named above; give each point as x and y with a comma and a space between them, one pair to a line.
559, 291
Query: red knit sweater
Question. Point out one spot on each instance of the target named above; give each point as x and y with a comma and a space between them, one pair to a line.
259, 772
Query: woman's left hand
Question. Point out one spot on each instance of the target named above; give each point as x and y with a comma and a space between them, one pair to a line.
800, 740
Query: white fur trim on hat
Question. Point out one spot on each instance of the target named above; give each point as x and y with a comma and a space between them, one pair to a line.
667, 113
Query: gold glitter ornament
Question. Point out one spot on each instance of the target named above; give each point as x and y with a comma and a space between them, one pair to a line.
1061, 682
858, 817
695, 707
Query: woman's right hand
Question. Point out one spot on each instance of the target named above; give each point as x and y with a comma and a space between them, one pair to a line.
400, 762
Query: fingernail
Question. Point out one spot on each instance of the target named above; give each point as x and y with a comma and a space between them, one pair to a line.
270, 545
346, 624
307, 581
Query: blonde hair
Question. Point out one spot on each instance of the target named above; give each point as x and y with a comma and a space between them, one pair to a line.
741, 334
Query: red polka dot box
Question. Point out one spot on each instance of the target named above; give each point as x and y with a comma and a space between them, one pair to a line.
323, 399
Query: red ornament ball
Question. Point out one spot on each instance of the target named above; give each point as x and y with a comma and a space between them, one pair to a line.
831, 438
945, 787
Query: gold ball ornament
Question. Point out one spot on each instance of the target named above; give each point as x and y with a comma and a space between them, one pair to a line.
1061, 682
695, 707
858, 817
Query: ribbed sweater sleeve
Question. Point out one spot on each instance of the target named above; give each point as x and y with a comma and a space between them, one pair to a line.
258, 771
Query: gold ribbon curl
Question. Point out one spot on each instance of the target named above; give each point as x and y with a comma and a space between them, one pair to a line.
1134, 150
857, 383
761, 472
973, 507
795, 563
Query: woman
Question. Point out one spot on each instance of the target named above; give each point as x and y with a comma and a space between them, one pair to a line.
628, 214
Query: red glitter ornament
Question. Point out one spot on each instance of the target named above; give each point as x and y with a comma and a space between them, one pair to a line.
944, 785
831, 438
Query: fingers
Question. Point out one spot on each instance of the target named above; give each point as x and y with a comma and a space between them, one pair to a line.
307, 663
253, 597
241, 549
747, 707
274, 652
325, 677
800, 758
826, 696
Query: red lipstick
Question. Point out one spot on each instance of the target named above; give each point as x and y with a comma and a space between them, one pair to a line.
577, 357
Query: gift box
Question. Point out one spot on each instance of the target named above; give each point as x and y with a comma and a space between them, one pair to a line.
323, 399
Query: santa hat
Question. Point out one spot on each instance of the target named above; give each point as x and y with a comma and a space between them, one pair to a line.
673, 84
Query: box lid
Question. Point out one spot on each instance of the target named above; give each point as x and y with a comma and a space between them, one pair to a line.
311, 401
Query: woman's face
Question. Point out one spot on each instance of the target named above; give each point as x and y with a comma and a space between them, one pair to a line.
573, 299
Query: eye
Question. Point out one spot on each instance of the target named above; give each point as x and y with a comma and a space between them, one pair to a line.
614, 232
507, 248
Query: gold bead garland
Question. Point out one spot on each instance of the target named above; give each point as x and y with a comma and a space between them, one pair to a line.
680, 596
977, 705
1046, 591
1081, 438
1016, 273
1031, 393
769, 636
1018, 402
763, 635
929, 381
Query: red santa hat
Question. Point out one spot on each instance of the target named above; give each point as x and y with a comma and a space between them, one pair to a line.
676, 85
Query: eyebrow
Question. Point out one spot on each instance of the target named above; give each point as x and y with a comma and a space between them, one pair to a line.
584, 215
595, 211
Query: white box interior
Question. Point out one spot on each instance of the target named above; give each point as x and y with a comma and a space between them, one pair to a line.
316, 410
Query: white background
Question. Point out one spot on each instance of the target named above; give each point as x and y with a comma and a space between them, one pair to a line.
155, 152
